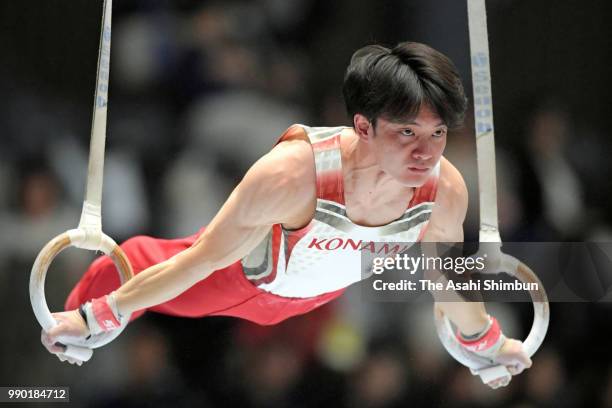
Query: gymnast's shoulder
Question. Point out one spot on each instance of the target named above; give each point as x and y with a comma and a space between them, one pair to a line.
288, 168
452, 194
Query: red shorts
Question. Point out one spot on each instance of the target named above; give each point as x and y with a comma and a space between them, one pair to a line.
226, 292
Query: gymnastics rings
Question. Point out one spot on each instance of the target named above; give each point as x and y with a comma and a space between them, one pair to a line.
82, 349
485, 368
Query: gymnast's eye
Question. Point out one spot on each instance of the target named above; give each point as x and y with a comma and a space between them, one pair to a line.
439, 133
407, 132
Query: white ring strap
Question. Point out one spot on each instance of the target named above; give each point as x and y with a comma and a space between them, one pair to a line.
483, 120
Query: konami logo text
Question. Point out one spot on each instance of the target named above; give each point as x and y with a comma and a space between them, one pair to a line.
336, 244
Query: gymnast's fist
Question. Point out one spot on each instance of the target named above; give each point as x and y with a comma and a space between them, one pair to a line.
512, 355
70, 325
499, 350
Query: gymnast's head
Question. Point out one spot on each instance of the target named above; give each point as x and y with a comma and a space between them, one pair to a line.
401, 102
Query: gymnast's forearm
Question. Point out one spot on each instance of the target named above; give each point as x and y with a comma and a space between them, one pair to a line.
214, 250
155, 285
464, 308
469, 317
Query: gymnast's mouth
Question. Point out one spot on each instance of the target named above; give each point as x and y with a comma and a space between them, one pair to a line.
419, 170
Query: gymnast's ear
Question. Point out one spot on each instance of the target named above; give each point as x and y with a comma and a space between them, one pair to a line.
362, 126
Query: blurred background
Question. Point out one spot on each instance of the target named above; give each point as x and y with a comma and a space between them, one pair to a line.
198, 91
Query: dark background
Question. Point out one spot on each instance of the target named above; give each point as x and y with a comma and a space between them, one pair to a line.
198, 91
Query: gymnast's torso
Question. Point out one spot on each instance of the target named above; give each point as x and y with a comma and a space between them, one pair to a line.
325, 255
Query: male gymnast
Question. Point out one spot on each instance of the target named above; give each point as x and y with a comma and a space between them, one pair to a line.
284, 242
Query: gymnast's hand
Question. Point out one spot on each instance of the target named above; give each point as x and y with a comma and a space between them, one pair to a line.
70, 325
513, 356
499, 350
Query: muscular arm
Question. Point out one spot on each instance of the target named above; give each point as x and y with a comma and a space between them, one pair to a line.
446, 225
275, 190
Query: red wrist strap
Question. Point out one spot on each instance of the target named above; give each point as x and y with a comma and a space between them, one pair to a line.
104, 315
486, 341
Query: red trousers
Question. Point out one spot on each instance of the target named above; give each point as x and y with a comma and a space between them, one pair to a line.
226, 292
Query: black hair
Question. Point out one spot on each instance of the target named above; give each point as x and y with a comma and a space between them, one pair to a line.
395, 83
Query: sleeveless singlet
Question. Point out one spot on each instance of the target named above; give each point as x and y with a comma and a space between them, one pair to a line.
325, 255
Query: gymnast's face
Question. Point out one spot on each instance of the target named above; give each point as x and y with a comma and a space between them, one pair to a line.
409, 150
